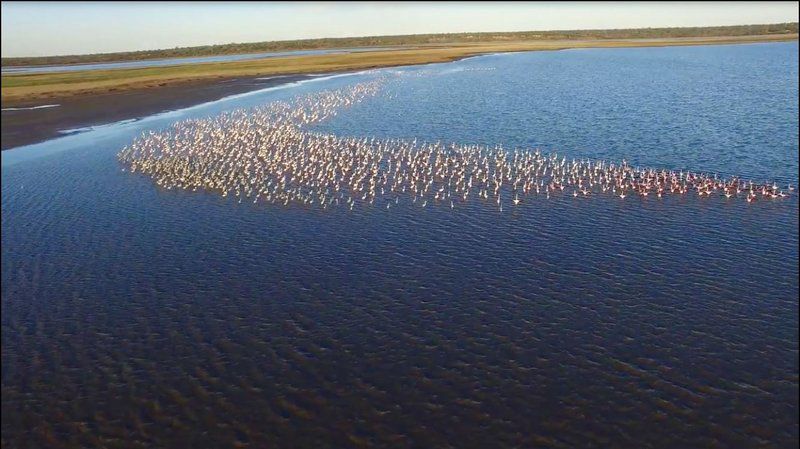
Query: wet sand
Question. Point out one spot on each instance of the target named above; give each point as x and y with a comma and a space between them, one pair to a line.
29, 126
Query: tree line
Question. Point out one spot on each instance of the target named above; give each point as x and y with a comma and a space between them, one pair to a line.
407, 40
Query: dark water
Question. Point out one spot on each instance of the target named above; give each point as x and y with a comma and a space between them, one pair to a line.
136, 317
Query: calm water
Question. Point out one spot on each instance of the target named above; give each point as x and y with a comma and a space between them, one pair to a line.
136, 317
179, 61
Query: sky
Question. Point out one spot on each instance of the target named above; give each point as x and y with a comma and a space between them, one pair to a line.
61, 28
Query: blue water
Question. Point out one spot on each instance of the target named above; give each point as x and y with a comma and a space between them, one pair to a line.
160, 318
179, 61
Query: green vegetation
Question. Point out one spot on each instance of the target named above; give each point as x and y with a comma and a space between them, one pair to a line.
411, 40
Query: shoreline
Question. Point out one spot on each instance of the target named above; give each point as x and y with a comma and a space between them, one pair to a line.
35, 120
27, 88
407, 40
35, 125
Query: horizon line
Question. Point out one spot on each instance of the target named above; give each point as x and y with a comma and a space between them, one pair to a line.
304, 40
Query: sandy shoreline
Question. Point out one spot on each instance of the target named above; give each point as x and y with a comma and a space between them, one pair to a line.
34, 120
23, 126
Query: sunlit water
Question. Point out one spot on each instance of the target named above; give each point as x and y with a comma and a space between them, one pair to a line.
138, 317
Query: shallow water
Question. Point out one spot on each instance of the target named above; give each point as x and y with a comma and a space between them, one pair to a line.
138, 317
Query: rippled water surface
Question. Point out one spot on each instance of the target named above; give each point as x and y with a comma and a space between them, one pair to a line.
139, 317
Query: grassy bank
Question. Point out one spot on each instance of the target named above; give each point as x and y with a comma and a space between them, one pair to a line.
412, 40
26, 88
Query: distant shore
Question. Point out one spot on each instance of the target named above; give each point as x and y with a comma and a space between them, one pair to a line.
409, 40
87, 98
25, 89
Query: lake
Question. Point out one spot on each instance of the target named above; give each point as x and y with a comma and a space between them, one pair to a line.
134, 316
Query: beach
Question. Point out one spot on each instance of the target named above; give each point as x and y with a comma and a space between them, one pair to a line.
26, 125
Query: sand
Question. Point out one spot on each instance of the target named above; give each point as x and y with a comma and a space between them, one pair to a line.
24, 127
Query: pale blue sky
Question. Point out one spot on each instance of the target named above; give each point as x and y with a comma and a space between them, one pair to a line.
42, 28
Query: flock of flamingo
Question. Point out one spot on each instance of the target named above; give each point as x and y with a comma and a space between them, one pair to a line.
266, 154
